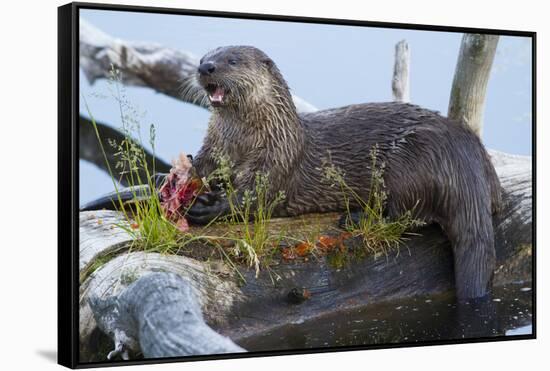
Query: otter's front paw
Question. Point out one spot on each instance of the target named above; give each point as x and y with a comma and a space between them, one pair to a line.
207, 207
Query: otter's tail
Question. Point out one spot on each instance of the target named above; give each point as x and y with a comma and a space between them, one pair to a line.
474, 257
469, 227
494, 184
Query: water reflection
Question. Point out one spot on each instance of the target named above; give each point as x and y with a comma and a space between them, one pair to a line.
411, 321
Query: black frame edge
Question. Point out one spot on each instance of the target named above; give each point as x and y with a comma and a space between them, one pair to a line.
68, 172
67, 314
299, 19
534, 177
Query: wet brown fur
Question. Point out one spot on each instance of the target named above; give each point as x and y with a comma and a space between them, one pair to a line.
432, 162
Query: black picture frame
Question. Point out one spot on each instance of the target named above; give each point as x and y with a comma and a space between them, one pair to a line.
68, 176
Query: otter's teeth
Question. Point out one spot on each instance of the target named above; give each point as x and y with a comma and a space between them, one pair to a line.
217, 96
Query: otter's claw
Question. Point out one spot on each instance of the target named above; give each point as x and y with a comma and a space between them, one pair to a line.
207, 207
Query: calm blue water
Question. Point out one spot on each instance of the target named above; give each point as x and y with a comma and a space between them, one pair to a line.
326, 65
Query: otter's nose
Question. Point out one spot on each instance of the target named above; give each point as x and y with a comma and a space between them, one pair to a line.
207, 68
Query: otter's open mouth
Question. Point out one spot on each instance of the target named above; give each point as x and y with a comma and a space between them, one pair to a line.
216, 93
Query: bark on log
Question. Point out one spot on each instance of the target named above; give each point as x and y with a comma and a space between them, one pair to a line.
400, 80
423, 266
473, 69
90, 150
162, 69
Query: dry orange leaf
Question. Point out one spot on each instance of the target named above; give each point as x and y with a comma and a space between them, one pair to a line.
345, 235
328, 242
303, 248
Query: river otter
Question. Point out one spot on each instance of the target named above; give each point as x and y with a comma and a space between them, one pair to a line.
434, 165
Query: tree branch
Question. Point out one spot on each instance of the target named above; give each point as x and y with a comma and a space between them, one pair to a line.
165, 70
90, 150
400, 80
473, 69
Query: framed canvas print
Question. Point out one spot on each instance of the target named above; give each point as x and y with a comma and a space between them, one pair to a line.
237, 185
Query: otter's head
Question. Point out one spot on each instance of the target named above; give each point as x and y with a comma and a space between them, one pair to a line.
234, 76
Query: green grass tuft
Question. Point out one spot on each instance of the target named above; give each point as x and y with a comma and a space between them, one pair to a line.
146, 221
379, 234
252, 212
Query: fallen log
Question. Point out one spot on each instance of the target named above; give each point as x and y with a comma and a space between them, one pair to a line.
423, 265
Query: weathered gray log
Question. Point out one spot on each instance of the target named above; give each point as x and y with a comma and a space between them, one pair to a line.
473, 69
90, 150
422, 266
215, 293
101, 233
400, 81
165, 70
160, 316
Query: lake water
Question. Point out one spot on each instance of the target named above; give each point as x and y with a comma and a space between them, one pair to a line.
409, 321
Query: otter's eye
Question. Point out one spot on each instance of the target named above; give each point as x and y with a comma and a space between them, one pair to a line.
232, 62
